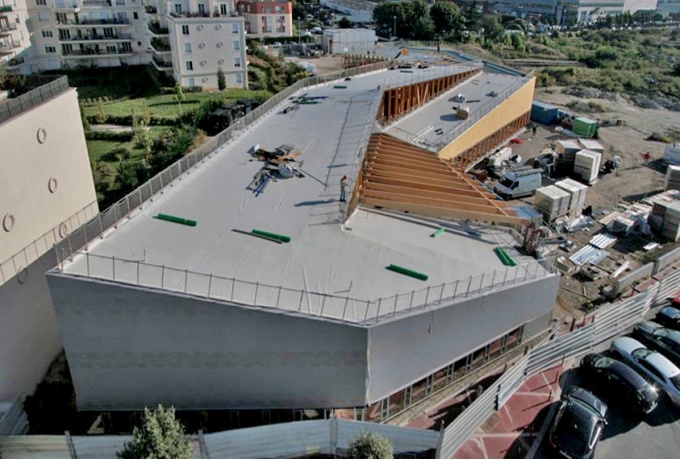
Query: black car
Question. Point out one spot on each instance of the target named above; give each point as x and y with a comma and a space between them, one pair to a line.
619, 382
666, 341
669, 317
578, 425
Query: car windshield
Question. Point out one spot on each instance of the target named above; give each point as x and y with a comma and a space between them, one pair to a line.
602, 362
675, 380
506, 182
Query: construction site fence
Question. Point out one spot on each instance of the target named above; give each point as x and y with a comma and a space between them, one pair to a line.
20, 261
13, 107
266, 296
605, 324
82, 236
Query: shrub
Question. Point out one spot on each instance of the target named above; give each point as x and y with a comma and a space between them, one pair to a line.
108, 136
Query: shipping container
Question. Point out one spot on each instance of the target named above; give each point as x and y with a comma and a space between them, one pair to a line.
585, 127
348, 41
543, 113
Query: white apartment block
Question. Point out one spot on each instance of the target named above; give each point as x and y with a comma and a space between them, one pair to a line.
266, 18
14, 34
205, 36
587, 11
69, 34
46, 191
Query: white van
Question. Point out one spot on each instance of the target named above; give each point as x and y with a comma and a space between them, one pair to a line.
519, 183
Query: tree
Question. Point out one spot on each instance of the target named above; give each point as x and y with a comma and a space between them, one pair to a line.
126, 181
160, 436
86, 124
101, 116
493, 30
179, 92
146, 115
424, 28
370, 445
446, 17
221, 80
472, 16
345, 23
676, 69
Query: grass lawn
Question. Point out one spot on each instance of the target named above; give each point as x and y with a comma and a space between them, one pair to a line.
166, 106
98, 148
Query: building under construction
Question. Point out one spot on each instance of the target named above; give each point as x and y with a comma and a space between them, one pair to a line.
246, 283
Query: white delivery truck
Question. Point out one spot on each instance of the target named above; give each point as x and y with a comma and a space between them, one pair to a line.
519, 183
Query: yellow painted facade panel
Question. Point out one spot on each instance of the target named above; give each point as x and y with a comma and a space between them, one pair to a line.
510, 109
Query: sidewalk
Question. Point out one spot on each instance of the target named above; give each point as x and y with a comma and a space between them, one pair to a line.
510, 432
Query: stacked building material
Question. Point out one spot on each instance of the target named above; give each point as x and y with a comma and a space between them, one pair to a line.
577, 193
587, 166
671, 222
672, 154
568, 150
552, 202
591, 145
672, 181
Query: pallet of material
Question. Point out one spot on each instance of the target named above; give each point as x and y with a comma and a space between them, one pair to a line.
671, 222
672, 181
577, 193
587, 165
552, 202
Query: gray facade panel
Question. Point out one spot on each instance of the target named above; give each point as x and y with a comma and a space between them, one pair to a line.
405, 350
129, 347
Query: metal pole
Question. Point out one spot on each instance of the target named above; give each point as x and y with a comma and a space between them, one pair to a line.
257, 287
427, 295
394, 312
493, 278
505, 276
468, 289
441, 294
162, 276
186, 279
323, 304
113, 262
233, 283
379, 303
138, 273
302, 293
344, 310
209, 284
278, 297
481, 282
411, 303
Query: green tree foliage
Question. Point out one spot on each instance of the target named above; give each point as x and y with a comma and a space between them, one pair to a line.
160, 436
345, 23
126, 177
179, 92
424, 28
446, 17
86, 124
407, 15
517, 40
370, 445
492, 29
146, 115
472, 17
299, 11
221, 79
101, 116
676, 70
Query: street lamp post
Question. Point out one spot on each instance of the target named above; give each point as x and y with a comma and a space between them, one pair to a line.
394, 30
299, 32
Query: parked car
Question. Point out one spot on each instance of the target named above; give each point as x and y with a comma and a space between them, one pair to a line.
577, 427
669, 317
519, 183
666, 341
619, 382
651, 365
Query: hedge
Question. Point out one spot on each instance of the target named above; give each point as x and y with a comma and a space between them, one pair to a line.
109, 136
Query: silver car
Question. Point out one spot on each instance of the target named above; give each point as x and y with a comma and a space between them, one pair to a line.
650, 364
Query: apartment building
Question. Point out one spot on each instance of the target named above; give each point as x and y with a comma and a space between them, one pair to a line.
14, 35
267, 18
586, 11
204, 37
69, 34
46, 191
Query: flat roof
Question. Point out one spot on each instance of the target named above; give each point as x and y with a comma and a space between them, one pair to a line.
422, 127
324, 255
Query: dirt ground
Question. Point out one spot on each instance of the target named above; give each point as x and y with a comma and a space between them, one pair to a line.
325, 64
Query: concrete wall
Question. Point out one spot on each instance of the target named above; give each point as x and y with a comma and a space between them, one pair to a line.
29, 337
510, 109
28, 165
405, 350
129, 348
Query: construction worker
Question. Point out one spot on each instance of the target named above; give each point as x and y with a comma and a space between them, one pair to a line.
344, 183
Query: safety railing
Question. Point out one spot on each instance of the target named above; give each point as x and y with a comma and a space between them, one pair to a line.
607, 323
33, 251
267, 296
13, 107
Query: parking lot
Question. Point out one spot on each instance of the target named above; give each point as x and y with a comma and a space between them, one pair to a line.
655, 435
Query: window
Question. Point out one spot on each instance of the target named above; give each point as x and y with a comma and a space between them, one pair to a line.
127, 47
46, 33
44, 16
187, 48
234, 28
185, 30
267, 9
111, 49
191, 81
178, 7
135, 15
120, 2
238, 78
201, 7
237, 45
189, 65
237, 62
277, 8
652, 370
50, 49
41, 2
67, 49
139, 43
223, 9
108, 32
282, 19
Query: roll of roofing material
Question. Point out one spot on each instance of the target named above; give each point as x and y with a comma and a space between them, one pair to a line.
438, 232
284, 238
407, 272
177, 220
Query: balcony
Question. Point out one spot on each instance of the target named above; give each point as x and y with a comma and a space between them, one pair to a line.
159, 47
96, 3
156, 29
90, 22
9, 46
15, 63
151, 9
5, 9
161, 65
6, 29
69, 6
91, 37
94, 53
